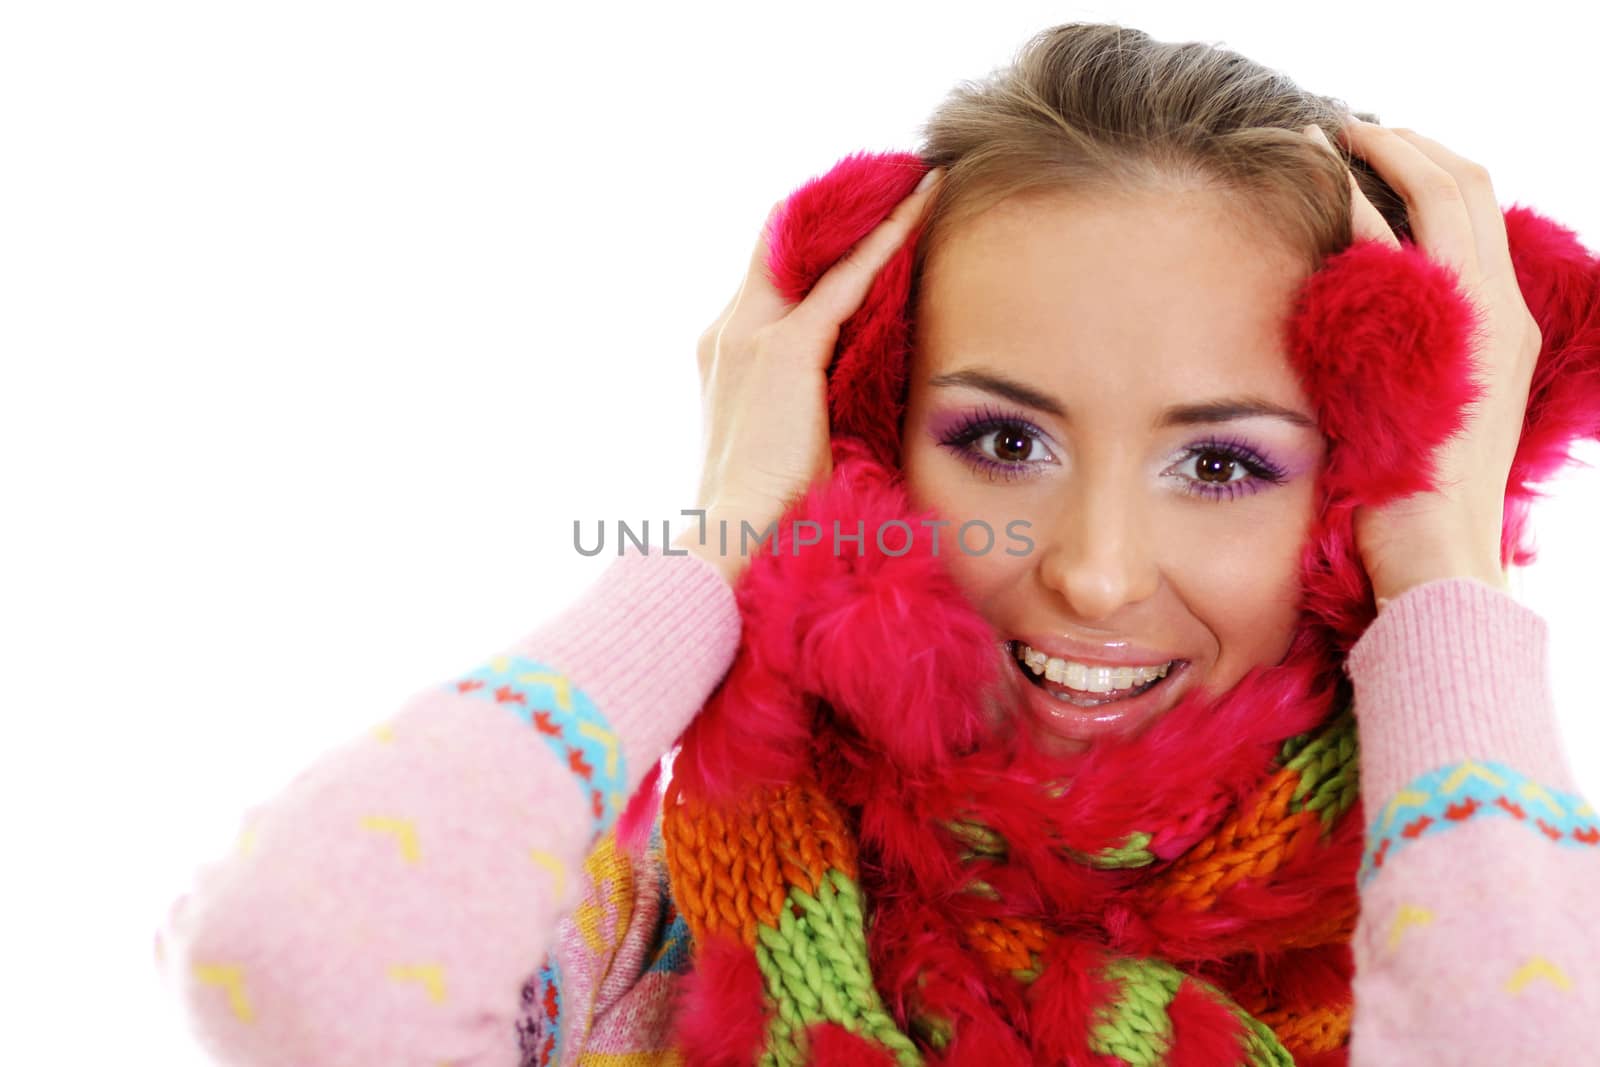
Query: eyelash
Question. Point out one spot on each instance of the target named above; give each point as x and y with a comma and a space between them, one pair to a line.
981, 423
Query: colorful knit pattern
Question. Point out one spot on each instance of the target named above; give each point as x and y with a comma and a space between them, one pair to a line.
779, 874
1449, 796
1137, 1029
539, 1028
1317, 781
567, 720
595, 1005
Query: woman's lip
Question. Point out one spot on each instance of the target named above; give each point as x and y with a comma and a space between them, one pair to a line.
1117, 654
1119, 718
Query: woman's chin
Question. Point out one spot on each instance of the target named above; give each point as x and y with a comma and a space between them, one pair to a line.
1054, 746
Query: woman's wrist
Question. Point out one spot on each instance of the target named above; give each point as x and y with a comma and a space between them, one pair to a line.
706, 539
1396, 587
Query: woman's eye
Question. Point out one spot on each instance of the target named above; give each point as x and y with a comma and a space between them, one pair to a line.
1006, 449
1216, 467
1000, 449
1010, 444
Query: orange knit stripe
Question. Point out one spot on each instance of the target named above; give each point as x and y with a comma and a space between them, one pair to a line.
1317, 1030
1336, 928
732, 867
1253, 842
1007, 944
1302, 1032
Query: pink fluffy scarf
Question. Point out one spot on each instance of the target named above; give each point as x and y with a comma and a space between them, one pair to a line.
865, 686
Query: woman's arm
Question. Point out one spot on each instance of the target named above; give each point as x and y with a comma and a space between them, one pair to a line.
1475, 943
389, 904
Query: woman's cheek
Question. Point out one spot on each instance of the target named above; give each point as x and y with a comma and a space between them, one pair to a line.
994, 558
1246, 589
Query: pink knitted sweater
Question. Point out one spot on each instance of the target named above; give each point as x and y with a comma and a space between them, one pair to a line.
445, 891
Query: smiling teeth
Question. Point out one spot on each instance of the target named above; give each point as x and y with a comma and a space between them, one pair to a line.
1083, 677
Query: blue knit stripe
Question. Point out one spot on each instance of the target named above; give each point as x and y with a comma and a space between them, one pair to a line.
568, 722
1444, 798
539, 1028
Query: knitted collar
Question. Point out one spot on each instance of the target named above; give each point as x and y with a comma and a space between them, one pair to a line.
875, 869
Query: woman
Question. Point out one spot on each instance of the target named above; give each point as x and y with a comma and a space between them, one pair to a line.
1084, 786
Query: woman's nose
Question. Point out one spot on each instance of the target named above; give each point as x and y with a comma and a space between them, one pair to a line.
1096, 555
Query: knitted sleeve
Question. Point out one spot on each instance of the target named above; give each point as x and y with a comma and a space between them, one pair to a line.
605, 992
392, 903
1475, 943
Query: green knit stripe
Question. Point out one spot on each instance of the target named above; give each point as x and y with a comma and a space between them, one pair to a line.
1261, 1046
1131, 853
978, 839
982, 889
1032, 971
1329, 768
980, 842
815, 967
934, 1029
1136, 1027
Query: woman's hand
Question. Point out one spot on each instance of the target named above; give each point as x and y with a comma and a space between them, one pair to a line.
763, 377
1454, 531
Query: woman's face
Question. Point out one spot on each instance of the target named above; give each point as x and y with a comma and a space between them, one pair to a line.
1112, 373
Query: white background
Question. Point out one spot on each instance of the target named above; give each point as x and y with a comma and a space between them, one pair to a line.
322, 321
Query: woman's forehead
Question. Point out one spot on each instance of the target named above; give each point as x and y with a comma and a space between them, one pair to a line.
1112, 290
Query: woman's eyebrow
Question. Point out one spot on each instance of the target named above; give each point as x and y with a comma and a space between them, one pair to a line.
1222, 409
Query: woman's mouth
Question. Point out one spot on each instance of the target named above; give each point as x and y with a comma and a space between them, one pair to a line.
1080, 703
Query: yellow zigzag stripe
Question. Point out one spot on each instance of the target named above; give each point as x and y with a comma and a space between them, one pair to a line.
588, 918
404, 831
1535, 791
1409, 915
659, 1058
230, 977
1584, 812
605, 737
558, 682
1537, 967
431, 975
1467, 770
1403, 798
609, 882
550, 862
619, 893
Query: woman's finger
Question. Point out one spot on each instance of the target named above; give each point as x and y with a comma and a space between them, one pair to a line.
758, 301
1435, 204
1366, 221
1488, 224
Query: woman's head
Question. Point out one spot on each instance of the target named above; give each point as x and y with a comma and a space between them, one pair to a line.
1111, 259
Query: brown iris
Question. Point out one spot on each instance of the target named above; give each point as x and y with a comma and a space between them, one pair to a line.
1219, 464
1011, 441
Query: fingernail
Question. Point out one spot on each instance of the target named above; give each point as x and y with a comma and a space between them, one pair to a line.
929, 178
1315, 131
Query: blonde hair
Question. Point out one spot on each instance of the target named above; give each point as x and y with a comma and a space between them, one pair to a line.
1104, 109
